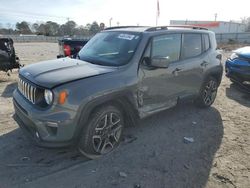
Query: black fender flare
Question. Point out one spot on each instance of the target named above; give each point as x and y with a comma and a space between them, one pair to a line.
215, 72
123, 99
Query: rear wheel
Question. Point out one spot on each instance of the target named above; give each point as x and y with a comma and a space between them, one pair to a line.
102, 133
208, 93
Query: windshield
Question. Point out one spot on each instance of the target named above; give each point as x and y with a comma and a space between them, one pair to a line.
110, 48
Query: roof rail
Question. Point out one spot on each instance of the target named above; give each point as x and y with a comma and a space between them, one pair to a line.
157, 28
177, 26
120, 27
189, 26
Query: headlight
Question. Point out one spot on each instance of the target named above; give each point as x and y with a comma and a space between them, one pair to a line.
48, 96
234, 56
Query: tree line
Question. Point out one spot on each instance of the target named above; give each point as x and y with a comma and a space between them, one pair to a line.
70, 28
51, 28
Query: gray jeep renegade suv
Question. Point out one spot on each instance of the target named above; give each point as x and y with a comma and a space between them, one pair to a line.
122, 74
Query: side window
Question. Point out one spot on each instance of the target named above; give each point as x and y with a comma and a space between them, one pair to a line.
206, 42
167, 46
191, 46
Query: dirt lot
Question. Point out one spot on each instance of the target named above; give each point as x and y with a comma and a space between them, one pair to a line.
151, 154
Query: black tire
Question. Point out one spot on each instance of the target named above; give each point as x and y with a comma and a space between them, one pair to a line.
207, 93
102, 134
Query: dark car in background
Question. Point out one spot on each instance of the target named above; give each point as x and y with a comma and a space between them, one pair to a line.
120, 76
238, 66
69, 47
8, 58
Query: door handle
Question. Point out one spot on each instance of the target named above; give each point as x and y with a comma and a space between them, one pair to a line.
176, 71
204, 63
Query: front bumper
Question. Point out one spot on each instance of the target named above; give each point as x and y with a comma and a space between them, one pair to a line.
238, 70
53, 128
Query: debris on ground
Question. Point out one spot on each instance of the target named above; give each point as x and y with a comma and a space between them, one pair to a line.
123, 174
186, 166
137, 185
223, 179
25, 159
188, 140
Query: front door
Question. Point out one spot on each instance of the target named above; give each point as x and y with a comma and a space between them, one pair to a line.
159, 88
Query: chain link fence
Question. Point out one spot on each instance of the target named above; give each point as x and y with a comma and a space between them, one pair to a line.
221, 38
40, 38
231, 38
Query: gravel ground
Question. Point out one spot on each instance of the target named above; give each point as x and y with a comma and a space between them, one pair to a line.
152, 154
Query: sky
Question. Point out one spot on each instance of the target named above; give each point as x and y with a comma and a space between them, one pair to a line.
120, 12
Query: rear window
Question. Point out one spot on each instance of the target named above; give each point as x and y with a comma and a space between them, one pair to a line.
192, 45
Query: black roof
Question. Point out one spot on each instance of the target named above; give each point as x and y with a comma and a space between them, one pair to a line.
128, 28
157, 28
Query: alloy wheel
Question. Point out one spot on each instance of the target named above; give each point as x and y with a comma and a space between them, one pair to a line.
210, 92
107, 133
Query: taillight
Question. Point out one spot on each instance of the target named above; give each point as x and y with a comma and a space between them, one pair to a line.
67, 50
219, 56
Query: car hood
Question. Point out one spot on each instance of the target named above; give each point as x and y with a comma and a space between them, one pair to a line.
51, 73
245, 51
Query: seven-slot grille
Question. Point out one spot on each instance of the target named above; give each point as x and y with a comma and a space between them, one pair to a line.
27, 90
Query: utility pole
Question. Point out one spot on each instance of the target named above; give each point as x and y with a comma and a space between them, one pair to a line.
118, 23
110, 20
157, 13
215, 17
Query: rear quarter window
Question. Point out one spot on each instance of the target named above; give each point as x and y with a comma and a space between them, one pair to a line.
192, 45
206, 42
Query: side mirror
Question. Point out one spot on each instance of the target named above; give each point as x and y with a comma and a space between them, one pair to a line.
160, 62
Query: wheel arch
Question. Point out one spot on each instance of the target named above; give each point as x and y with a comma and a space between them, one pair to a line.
123, 101
216, 73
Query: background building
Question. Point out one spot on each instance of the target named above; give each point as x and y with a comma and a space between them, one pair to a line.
216, 26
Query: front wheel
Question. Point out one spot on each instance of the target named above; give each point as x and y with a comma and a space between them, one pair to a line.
208, 93
102, 133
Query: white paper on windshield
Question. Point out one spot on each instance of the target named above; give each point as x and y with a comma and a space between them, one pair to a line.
126, 36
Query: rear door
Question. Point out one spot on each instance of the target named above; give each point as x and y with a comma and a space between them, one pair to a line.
189, 75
